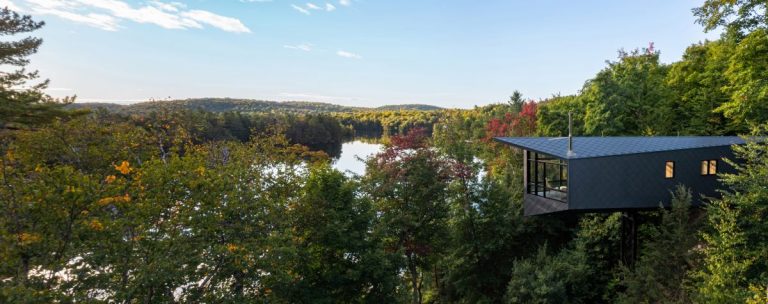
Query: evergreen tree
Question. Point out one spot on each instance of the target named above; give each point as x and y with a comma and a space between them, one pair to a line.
23, 105
660, 273
735, 256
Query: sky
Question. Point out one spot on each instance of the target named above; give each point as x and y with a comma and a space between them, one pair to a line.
447, 53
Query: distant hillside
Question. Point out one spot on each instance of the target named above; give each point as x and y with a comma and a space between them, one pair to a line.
241, 105
417, 107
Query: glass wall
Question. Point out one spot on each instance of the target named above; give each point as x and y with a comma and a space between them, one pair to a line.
547, 176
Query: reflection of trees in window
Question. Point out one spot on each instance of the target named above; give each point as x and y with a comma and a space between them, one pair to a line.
547, 176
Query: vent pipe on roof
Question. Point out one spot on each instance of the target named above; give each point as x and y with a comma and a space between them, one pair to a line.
570, 132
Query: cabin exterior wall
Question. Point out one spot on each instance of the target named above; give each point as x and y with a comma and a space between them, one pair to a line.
638, 180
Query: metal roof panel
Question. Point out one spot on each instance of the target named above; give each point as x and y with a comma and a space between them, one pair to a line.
587, 147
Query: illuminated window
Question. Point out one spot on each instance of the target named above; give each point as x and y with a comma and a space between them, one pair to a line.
709, 167
670, 170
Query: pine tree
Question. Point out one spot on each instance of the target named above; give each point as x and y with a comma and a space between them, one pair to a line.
23, 105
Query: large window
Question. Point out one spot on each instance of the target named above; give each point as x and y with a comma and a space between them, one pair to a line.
547, 176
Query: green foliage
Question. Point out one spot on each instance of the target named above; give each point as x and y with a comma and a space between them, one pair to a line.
553, 116
338, 258
660, 274
223, 105
579, 273
736, 247
628, 97
737, 16
407, 182
23, 105
548, 278
698, 81
747, 72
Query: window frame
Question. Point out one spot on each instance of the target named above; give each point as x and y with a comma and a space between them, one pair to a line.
666, 166
710, 170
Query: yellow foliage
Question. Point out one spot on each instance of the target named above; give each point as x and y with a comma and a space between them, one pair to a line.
124, 167
96, 225
200, 170
232, 247
9, 155
114, 199
38, 168
28, 238
109, 179
759, 295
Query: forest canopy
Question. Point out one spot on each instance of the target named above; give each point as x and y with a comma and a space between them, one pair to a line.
232, 201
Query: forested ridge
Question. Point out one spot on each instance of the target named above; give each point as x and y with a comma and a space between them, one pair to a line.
239, 105
220, 205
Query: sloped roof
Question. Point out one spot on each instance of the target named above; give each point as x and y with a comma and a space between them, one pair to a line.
587, 147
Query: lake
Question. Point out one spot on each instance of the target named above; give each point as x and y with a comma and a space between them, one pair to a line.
348, 161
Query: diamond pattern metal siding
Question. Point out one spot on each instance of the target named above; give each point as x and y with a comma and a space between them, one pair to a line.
588, 147
637, 181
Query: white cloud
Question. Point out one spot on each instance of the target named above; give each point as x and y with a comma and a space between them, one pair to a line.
63, 9
329, 7
9, 4
221, 22
312, 6
346, 54
300, 9
251, 1
58, 89
146, 14
302, 47
106, 14
345, 2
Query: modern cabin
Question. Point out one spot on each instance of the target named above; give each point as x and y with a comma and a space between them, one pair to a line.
589, 174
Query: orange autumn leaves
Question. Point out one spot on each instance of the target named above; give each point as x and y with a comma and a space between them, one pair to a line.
125, 169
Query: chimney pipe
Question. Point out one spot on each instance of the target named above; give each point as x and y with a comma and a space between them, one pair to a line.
570, 131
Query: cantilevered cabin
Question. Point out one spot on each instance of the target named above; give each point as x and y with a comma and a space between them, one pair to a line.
618, 173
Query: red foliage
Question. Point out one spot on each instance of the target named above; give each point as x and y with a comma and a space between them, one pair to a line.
513, 124
415, 139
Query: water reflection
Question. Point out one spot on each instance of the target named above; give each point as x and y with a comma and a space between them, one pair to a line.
348, 161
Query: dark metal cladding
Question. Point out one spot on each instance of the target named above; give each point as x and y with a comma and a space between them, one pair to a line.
624, 173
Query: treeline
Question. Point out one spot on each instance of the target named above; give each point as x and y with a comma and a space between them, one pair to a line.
385, 123
316, 131
219, 105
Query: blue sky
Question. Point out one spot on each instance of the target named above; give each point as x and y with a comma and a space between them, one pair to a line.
351, 52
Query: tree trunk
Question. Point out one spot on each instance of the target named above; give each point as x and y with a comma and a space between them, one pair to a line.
414, 279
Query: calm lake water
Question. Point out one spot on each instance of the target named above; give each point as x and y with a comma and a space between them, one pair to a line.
348, 161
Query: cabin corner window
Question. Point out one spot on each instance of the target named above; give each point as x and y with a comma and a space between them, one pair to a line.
669, 171
709, 167
547, 176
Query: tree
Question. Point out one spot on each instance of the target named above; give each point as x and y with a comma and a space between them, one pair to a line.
629, 97
747, 73
339, 260
553, 116
698, 82
737, 16
20, 106
407, 181
735, 247
659, 276
580, 273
